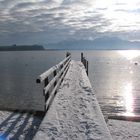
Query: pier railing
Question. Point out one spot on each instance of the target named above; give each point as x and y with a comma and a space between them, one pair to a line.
85, 62
52, 79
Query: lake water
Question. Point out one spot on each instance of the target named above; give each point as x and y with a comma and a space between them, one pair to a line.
114, 75
18, 73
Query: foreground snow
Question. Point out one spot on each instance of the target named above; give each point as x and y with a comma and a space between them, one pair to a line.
18, 126
124, 130
120, 130
74, 113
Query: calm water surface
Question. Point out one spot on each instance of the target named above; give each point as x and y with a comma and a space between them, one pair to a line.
18, 73
114, 75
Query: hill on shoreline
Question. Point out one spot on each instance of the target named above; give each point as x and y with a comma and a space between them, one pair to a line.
21, 48
104, 43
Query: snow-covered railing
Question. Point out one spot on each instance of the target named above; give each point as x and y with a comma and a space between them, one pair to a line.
85, 62
52, 79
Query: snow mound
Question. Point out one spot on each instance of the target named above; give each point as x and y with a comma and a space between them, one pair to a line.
124, 130
75, 113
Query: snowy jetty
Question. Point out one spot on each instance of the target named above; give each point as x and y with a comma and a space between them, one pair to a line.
74, 113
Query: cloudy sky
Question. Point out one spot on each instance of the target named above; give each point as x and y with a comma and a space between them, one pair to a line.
46, 21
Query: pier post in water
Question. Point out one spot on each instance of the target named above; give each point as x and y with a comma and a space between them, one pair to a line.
68, 54
87, 68
85, 62
81, 57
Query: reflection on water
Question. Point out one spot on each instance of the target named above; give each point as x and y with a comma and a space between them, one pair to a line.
115, 77
130, 103
128, 99
129, 54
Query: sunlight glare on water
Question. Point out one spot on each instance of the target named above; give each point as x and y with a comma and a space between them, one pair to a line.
128, 99
129, 54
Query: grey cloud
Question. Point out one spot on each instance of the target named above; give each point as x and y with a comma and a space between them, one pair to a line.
59, 17
101, 9
7, 3
128, 11
122, 4
122, 10
73, 2
51, 20
23, 6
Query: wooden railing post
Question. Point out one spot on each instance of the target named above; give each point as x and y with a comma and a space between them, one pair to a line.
46, 82
87, 67
68, 54
54, 74
81, 57
85, 62
61, 67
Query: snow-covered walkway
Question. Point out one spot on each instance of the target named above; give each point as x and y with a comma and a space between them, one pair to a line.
74, 113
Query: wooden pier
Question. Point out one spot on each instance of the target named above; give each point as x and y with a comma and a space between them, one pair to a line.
52, 78
73, 112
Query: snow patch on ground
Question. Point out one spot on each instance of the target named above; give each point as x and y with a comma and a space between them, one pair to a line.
18, 126
124, 130
74, 113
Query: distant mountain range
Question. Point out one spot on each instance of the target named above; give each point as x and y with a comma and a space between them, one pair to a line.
104, 43
21, 48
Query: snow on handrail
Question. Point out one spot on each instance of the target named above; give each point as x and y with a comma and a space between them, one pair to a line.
44, 75
52, 79
55, 78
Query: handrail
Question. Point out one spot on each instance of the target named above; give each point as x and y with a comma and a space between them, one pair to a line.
49, 101
52, 80
43, 76
56, 77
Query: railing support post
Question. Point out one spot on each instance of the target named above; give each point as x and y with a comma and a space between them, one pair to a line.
46, 82
54, 74
87, 67
85, 62
68, 54
81, 57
